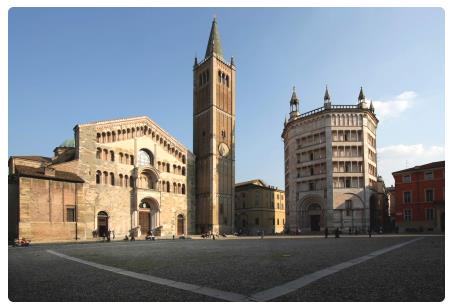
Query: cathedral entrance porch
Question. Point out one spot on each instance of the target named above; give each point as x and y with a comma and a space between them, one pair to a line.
148, 217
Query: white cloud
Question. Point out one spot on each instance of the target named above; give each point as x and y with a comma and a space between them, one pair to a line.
395, 106
397, 157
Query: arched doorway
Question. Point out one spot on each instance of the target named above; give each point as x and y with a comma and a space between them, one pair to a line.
310, 213
148, 215
102, 223
180, 224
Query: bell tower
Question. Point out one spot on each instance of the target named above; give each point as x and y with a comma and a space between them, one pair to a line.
214, 126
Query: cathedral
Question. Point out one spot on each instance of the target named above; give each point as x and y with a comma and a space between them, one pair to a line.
130, 176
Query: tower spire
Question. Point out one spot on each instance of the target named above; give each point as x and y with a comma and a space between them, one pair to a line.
361, 95
327, 99
214, 45
294, 104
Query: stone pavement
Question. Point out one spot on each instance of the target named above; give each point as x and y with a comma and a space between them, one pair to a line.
355, 268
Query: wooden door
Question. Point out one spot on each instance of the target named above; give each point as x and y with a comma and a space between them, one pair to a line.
144, 221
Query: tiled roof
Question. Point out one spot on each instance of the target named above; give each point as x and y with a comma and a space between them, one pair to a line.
258, 183
433, 165
35, 158
39, 173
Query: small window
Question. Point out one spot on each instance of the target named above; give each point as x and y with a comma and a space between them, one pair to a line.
311, 186
429, 195
257, 221
278, 221
407, 197
428, 175
407, 179
70, 214
407, 215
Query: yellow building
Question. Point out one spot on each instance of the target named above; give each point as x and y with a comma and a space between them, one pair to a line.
259, 207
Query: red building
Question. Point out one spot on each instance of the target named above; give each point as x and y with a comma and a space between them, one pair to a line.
420, 197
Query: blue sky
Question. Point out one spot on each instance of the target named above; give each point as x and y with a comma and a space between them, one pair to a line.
70, 66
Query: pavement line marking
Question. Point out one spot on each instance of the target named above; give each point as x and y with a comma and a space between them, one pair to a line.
296, 284
222, 295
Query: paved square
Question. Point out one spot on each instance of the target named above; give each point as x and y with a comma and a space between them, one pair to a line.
288, 269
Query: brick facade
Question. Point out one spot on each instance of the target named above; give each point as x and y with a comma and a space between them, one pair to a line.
420, 197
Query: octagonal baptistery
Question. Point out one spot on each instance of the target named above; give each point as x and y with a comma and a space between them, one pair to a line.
137, 177
330, 165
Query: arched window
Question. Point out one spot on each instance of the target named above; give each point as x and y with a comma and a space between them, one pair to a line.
121, 180
121, 157
126, 159
111, 178
113, 136
99, 136
111, 155
145, 158
105, 154
168, 167
227, 81
108, 134
183, 171
175, 188
105, 177
99, 153
183, 189
98, 177
126, 181
131, 160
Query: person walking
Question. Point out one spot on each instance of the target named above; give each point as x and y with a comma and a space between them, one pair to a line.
336, 233
326, 232
370, 232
